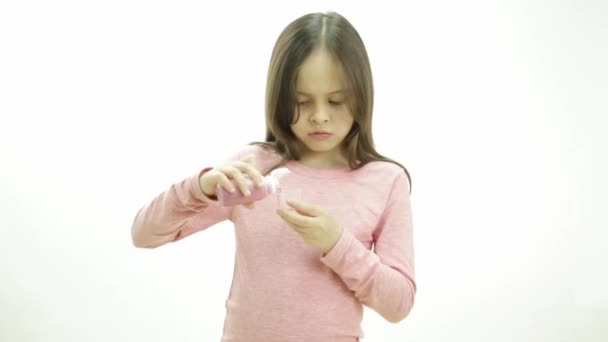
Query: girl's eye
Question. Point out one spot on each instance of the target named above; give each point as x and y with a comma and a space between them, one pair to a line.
333, 103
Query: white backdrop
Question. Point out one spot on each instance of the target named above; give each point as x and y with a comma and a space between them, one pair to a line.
497, 108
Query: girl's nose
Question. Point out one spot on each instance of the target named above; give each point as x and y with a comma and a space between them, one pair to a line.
319, 116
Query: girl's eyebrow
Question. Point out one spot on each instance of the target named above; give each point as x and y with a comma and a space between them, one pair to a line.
331, 92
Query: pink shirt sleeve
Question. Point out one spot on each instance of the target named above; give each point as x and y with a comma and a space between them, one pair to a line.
383, 279
179, 211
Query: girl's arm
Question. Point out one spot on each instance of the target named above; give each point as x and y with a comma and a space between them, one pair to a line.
181, 210
184, 209
384, 279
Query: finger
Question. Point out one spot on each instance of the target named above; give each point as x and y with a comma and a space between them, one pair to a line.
248, 166
301, 231
251, 171
306, 208
226, 183
287, 219
244, 184
238, 177
249, 205
294, 218
256, 175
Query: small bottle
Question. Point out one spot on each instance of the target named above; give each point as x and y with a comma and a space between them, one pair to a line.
271, 186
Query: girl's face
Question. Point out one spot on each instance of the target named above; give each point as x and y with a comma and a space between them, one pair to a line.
321, 100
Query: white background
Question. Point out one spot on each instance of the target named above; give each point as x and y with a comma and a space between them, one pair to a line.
497, 108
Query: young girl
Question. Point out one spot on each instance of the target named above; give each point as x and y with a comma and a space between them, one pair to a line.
304, 274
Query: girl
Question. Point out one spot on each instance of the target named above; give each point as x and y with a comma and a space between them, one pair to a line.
304, 274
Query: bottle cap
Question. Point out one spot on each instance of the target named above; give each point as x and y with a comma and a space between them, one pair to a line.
275, 175
280, 172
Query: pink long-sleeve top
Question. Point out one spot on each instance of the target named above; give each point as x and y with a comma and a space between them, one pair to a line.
284, 289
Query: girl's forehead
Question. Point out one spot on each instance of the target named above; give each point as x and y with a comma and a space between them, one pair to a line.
322, 88
320, 81
320, 63
320, 73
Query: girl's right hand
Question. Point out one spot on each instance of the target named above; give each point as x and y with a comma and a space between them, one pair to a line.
238, 171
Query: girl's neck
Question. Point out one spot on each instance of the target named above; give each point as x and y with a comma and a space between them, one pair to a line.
320, 162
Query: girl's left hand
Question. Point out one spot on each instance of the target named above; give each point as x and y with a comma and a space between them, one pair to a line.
314, 224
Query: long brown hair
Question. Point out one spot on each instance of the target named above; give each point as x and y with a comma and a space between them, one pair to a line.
335, 33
